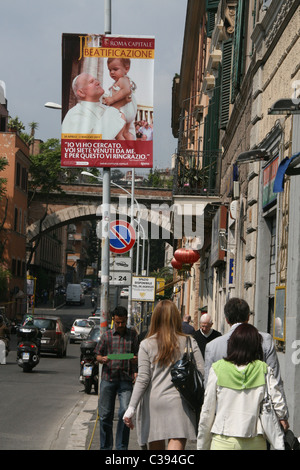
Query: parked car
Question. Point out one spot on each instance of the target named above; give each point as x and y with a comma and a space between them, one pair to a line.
95, 319
54, 335
80, 329
124, 293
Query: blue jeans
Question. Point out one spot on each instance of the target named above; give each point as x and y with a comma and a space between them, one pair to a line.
106, 408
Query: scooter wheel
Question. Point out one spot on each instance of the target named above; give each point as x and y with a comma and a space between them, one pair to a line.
88, 386
27, 368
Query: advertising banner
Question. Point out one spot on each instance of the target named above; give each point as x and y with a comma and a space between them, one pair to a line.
107, 101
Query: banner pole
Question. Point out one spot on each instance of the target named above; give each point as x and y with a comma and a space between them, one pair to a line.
105, 251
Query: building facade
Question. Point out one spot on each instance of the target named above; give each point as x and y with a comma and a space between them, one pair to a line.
250, 59
13, 216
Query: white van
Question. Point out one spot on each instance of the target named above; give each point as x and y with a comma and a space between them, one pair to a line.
74, 294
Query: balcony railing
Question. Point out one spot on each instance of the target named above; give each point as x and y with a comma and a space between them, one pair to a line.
197, 173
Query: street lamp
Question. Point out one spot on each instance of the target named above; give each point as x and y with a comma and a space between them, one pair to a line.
49, 104
285, 106
86, 173
133, 200
253, 156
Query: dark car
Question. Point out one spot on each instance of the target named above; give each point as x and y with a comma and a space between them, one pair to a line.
54, 336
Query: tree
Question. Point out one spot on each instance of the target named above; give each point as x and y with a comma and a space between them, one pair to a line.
29, 138
46, 177
16, 125
3, 181
5, 275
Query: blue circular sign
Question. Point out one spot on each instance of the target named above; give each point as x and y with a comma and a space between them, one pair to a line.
121, 236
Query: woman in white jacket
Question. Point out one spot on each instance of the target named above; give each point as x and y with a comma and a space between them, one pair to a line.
235, 389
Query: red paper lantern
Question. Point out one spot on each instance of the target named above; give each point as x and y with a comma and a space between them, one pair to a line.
186, 256
176, 264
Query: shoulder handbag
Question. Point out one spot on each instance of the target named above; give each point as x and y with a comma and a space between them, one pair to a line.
290, 441
188, 380
271, 426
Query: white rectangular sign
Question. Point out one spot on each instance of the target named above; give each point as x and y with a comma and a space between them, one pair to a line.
143, 289
119, 263
119, 278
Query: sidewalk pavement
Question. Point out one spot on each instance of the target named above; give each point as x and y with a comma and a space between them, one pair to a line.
85, 432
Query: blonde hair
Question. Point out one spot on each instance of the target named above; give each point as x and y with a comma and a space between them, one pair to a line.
166, 325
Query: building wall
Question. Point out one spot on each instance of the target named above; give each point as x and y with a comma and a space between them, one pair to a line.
14, 257
262, 240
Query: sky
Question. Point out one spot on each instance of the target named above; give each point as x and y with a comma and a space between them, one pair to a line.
30, 56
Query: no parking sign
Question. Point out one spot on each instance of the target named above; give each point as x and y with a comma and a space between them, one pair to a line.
121, 236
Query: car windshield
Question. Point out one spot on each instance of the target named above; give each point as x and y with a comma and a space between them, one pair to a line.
94, 334
82, 323
45, 323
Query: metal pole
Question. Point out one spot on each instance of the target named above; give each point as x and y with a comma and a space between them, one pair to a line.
104, 288
107, 16
131, 251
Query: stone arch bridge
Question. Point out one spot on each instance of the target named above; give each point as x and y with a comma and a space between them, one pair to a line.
84, 202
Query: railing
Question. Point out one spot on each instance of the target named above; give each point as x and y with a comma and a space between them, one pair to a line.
197, 173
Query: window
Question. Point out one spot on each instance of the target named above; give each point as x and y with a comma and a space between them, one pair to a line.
24, 179
18, 174
13, 267
20, 221
16, 219
225, 83
238, 49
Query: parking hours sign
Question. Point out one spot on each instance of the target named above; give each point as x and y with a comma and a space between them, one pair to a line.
121, 236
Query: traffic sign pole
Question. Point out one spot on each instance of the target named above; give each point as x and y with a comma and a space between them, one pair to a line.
104, 288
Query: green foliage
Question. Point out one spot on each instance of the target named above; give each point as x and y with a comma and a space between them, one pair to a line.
46, 173
16, 124
45, 167
156, 180
3, 181
5, 275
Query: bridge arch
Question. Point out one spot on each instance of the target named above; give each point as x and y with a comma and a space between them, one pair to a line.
156, 222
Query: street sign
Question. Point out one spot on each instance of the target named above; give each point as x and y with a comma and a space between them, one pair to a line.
120, 263
143, 289
118, 278
121, 236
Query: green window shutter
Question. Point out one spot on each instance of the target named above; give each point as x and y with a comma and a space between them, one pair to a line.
210, 23
238, 48
212, 5
225, 82
211, 10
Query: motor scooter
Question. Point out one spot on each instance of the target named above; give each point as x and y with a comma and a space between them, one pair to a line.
89, 367
28, 349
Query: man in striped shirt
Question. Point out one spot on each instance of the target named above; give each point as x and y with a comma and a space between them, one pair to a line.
117, 350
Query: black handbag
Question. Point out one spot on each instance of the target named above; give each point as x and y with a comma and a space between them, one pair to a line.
188, 379
290, 441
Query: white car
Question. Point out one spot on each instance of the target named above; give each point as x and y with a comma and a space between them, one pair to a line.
80, 329
95, 319
124, 293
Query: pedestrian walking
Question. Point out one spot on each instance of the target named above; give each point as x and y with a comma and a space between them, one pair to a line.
186, 327
237, 311
206, 333
161, 413
117, 351
235, 389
